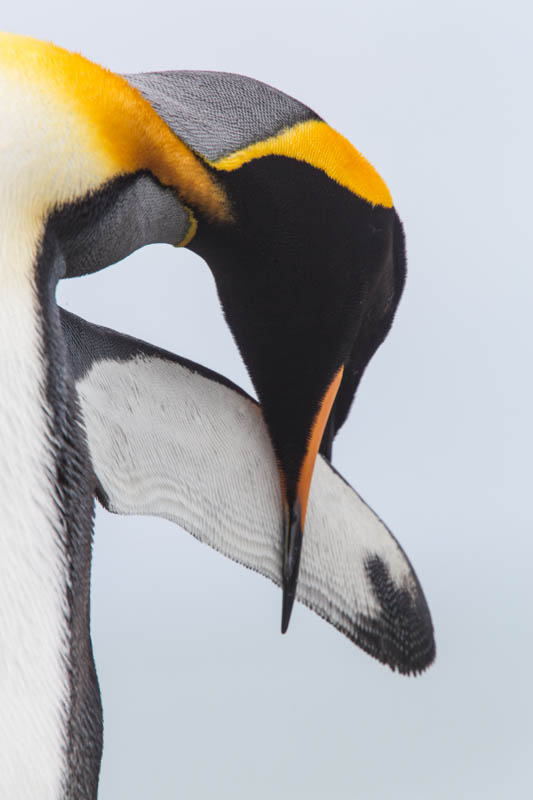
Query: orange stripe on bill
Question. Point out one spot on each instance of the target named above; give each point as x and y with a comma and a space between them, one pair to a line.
295, 515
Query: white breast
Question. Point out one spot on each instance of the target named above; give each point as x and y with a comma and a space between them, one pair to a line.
34, 684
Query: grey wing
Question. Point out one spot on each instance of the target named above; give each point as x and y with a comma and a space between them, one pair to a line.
172, 439
218, 113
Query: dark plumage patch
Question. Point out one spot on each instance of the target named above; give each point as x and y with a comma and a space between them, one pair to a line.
74, 484
308, 281
402, 635
106, 225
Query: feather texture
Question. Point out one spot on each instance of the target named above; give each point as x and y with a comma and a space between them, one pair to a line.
171, 439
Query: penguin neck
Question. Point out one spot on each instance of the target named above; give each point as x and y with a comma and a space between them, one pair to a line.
34, 558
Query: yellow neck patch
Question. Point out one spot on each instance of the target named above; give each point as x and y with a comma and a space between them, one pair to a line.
120, 127
320, 146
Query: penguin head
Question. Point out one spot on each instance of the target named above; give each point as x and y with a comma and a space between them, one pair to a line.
296, 274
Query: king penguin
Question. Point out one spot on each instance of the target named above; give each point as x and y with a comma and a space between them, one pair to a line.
309, 267
308, 258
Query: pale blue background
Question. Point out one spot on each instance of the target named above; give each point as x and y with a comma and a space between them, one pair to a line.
203, 698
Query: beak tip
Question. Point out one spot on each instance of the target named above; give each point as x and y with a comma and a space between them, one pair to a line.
291, 564
286, 611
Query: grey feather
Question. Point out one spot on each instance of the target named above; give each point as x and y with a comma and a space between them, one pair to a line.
217, 113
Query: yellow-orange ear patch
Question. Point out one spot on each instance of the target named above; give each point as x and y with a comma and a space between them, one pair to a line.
320, 146
120, 127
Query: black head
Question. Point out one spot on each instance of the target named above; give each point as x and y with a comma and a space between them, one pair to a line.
303, 273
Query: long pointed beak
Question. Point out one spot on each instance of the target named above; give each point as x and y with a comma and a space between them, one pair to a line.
295, 515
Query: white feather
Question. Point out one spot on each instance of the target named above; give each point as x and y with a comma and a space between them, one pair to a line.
34, 683
168, 441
